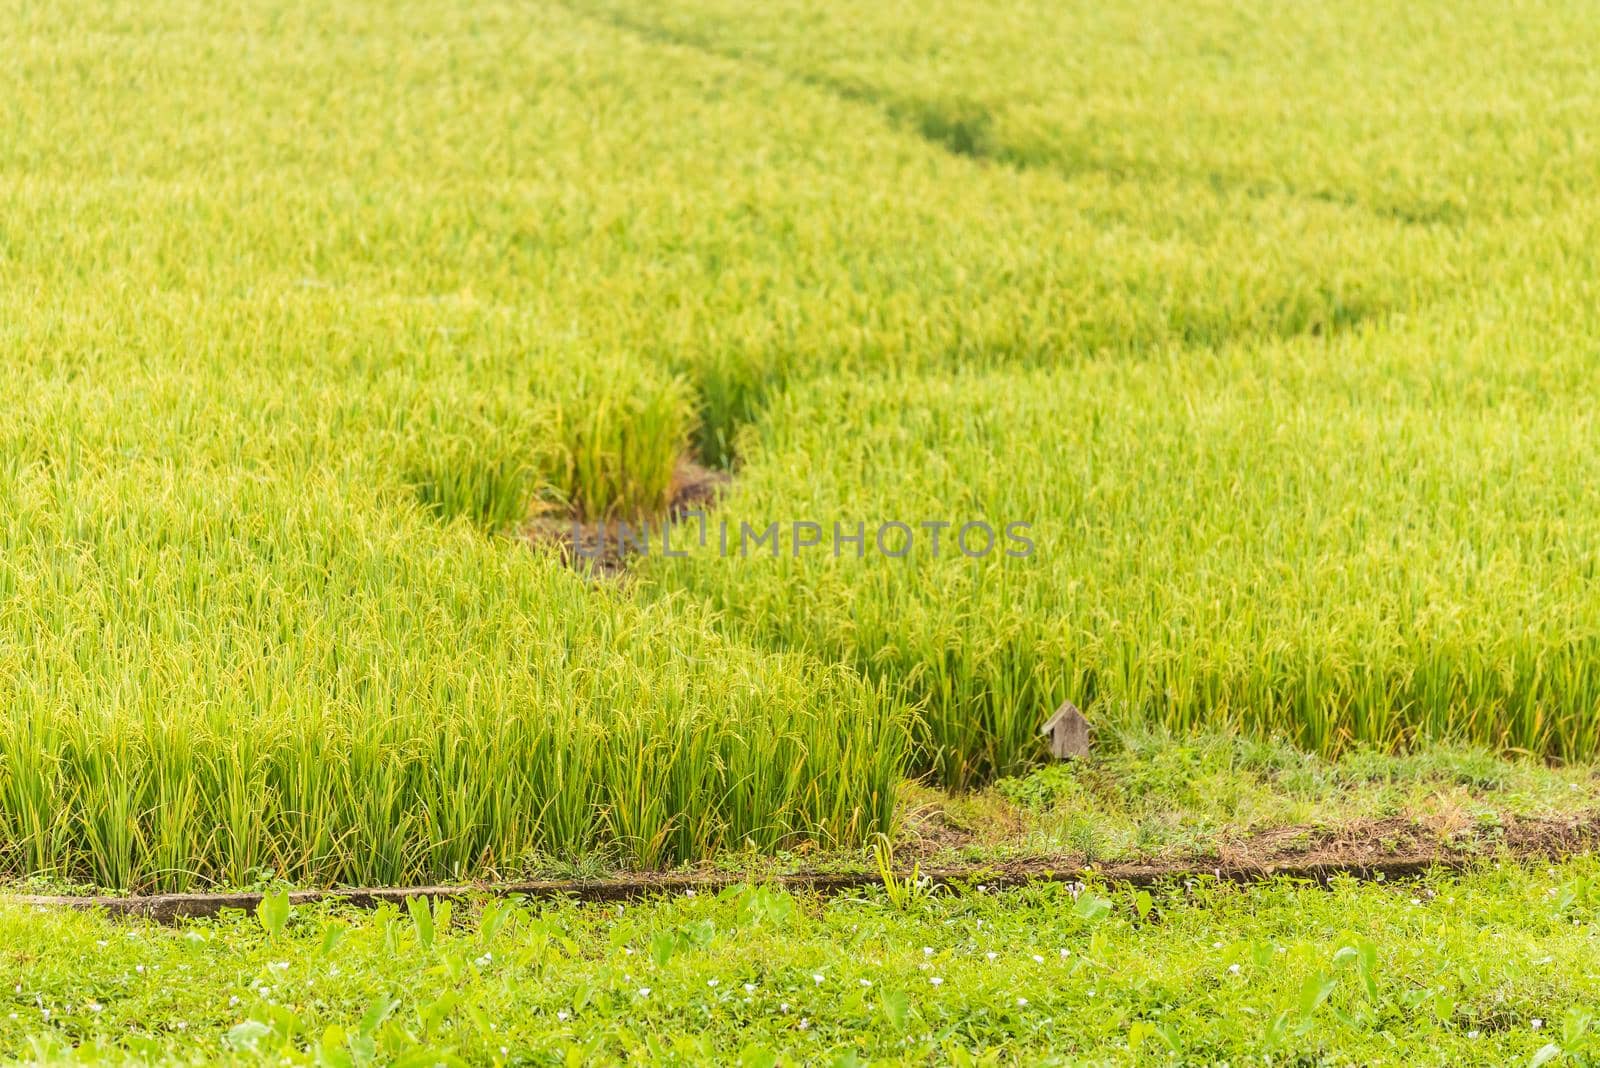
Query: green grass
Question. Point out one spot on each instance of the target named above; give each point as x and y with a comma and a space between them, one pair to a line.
1362, 105
587, 194
1277, 328
1276, 324
1157, 796
1490, 968
206, 680
1144, 796
1334, 542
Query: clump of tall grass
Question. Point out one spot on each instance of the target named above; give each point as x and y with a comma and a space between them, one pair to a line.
622, 446
482, 457
603, 445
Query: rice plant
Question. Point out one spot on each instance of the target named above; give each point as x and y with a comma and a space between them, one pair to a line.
203, 683
1331, 542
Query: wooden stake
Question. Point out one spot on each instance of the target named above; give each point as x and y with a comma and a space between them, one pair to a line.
1068, 731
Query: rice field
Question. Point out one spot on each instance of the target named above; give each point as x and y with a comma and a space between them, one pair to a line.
1272, 327
1321, 542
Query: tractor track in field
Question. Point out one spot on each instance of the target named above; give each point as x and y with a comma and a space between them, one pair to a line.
1375, 850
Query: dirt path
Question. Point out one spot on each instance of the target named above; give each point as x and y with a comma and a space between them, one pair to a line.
1382, 849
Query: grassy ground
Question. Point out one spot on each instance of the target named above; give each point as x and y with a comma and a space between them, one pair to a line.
1491, 968
1158, 797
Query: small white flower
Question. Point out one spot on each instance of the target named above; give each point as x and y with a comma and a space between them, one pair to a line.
1233, 969
749, 988
866, 982
936, 980
644, 991
1022, 1001
183, 1025
927, 951
1216, 945
1038, 959
102, 943
1472, 1034
688, 893
562, 1014
95, 1006
139, 968
281, 965
483, 961
1416, 901
816, 977
1065, 953
783, 1007
504, 1051
1537, 1023
804, 1023
711, 982
628, 950
232, 1001
991, 954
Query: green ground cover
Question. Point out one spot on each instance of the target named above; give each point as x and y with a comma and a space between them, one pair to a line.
1157, 797
1495, 967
